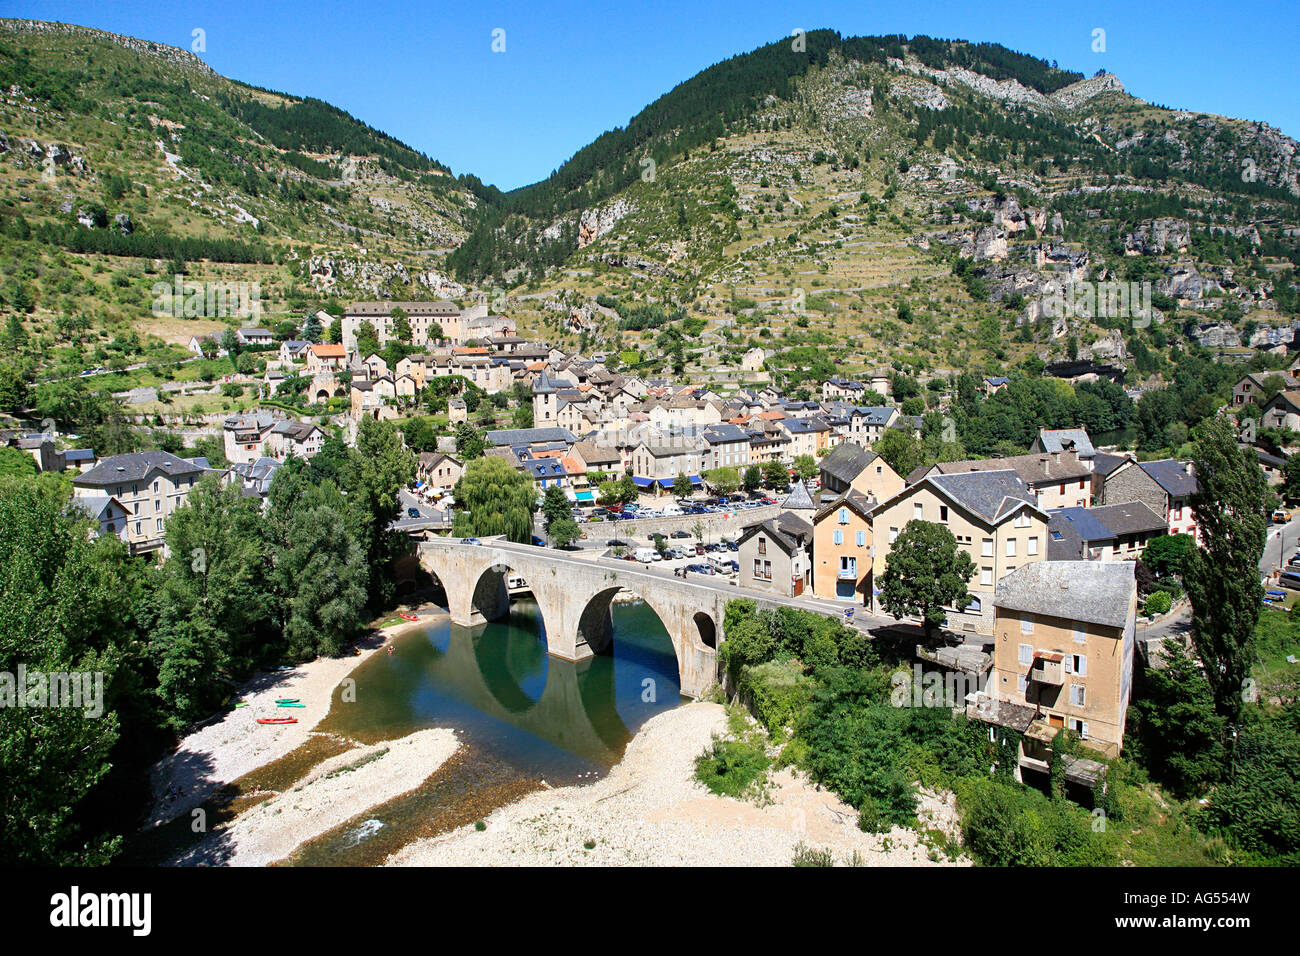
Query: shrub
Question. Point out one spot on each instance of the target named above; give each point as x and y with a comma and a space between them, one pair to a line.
805, 855
733, 768
1158, 602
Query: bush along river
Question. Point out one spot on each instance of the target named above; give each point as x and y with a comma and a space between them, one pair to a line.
524, 719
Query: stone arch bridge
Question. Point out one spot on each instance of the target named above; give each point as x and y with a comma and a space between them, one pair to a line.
574, 595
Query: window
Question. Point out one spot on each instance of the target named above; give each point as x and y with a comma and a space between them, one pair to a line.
986, 548
1022, 520
862, 539
844, 516
758, 568
1026, 652
839, 536
893, 535
762, 545
986, 577
158, 523
1080, 635
1027, 624
943, 513
1011, 547
1033, 546
1021, 683
155, 486
1076, 664
1077, 697
916, 511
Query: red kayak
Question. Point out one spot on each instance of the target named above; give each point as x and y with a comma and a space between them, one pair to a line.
277, 720
407, 617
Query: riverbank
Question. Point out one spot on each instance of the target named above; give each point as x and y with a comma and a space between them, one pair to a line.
234, 745
332, 793
650, 811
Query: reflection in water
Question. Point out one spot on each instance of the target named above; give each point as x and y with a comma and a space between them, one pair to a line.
498, 688
524, 716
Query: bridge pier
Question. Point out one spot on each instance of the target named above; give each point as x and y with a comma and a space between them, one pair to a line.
575, 600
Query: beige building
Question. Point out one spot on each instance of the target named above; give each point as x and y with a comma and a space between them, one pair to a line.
993, 516
1064, 636
774, 556
849, 466
1057, 479
149, 485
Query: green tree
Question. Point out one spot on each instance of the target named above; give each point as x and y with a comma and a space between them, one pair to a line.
1290, 475
555, 507
381, 466
924, 574
901, 449
401, 324
469, 442
775, 475
805, 466
1178, 734
1221, 577
753, 478
682, 487
1165, 553
497, 499
65, 606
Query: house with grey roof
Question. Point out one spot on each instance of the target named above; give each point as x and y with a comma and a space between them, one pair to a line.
151, 486
775, 556
850, 466
992, 515
1119, 532
1064, 639
1165, 486
1055, 440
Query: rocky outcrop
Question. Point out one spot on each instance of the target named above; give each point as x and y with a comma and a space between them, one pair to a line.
1156, 237
595, 223
160, 51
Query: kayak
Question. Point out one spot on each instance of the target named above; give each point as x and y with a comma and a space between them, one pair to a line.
288, 700
242, 703
407, 617
282, 704
277, 720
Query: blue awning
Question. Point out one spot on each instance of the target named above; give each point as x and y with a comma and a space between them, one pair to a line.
643, 482
696, 480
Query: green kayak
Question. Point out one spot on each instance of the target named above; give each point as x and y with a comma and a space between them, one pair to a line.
288, 700
289, 705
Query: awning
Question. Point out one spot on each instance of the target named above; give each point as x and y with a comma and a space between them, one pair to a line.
696, 480
584, 495
666, 482
642, 482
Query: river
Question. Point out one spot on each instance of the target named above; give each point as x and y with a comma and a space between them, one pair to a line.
525, 719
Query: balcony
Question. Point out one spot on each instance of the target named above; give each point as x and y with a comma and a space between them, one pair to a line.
1048, 669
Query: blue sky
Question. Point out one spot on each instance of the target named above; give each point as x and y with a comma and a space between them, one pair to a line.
425, 72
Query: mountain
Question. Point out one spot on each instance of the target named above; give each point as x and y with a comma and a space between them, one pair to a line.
897, 199
842, 202
119, 146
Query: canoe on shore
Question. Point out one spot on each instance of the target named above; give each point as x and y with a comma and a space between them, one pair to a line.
288, 700
407, 617
290, 705
277, 720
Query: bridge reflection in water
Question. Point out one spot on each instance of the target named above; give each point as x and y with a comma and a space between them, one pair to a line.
498, 688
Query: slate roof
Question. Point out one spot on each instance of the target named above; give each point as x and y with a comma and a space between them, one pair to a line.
1070, 530
989, 494
1103, 463
1171, 475
1096, 592
527, 436
846, 460
1066, 439
799, 499
1034, 468
785, 530
136, 466
725, 433
862, 504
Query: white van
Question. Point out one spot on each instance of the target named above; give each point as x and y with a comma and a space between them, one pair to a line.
645, 555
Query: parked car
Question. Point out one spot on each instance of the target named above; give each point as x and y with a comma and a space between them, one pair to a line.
413, 512
618, 543
681, 534
1289, 579
470, 541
